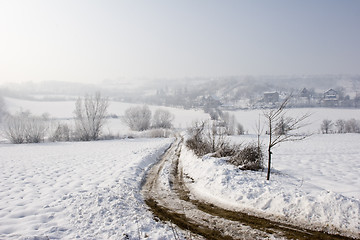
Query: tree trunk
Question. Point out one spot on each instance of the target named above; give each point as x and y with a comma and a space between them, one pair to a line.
269, 164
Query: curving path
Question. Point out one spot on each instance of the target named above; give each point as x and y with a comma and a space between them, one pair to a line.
165, 192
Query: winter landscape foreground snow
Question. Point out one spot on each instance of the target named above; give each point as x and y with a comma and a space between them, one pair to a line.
91, 190
315, 183
84, 190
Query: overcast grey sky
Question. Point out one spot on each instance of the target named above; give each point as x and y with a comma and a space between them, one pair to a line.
89, 41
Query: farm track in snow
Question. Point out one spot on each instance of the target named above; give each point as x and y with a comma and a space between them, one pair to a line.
167, 196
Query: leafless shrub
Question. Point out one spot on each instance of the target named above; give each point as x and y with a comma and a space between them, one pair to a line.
61, 133
229, 123
138, 118
248, 158
208, 138
352, 126
162, 119
35, 129
14, 128
90, 116
23, 127
340, 126
326, 126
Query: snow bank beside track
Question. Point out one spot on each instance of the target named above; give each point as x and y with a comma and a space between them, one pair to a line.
283, 198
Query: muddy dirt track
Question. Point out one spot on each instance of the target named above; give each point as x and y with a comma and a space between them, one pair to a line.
166, 194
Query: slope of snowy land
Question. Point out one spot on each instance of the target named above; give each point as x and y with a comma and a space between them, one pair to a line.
65, 110
316, 183
86, 190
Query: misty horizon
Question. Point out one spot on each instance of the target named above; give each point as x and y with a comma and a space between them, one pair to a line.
93, 41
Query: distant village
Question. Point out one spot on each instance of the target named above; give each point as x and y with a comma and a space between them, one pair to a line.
310, 98
302, 99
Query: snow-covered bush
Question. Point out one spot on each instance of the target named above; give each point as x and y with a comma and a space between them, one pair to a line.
205, 138
61, 133
162, 119
138, 118
35, 129
249, 157
23, 127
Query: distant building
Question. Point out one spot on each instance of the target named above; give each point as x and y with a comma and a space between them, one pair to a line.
330, 98
271, 97
305, 93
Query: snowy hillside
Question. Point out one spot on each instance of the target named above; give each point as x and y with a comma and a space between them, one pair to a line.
77, 190
91, 190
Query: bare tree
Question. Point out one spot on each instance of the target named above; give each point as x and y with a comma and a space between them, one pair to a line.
162, 119
340, 125
61, 133
14, 128
229, 123
35, 129
138, 118
352, 126
259, 129
274, 118
90, 116
326, 126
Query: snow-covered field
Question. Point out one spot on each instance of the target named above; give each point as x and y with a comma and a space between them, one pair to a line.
90, 190
316, 183
85, 190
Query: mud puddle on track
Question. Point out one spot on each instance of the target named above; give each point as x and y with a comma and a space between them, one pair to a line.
166, 194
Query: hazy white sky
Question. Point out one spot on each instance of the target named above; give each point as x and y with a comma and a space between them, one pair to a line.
89, 41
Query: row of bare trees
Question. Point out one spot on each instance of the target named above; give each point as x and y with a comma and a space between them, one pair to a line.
340, 126
141, 119
90, 116
24, 127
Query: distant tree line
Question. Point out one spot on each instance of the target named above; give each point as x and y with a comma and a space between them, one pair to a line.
140, 118
340, 126
90, 115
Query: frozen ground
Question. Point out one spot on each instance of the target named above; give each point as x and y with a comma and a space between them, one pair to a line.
90, 190
315, 183
86, 190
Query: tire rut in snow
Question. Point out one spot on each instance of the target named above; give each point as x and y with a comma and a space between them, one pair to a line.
166, 194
